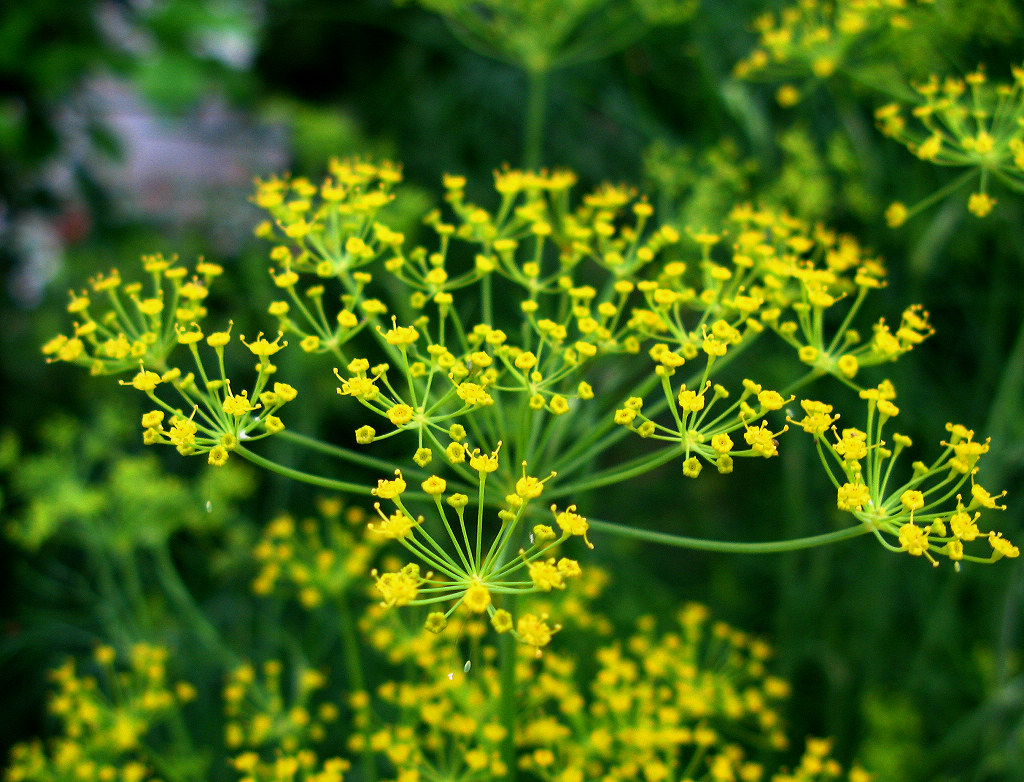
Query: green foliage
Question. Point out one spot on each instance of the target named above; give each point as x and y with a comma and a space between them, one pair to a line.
81, 489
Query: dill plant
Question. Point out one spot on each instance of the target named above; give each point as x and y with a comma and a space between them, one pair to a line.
507, 357
495, 379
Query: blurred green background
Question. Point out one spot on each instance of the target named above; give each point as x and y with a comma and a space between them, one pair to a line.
130, 127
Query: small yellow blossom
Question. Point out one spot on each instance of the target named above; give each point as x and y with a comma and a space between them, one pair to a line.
477, 598
534, 631
572, 523
389, 489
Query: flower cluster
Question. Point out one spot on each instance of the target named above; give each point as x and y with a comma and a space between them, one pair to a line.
302, 766
547, 325
696, 701
780, 275
226, 416
332, 231
934, 511
702, 435
473, 563
271, 715
141, 328
316, 558
105, 720
667, 705
817, 38
966, 122
543, 34
139, 323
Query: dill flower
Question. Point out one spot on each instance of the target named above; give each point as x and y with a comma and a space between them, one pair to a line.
321, 557
813, 40
105, 720
121, 327
474, 564
917, 516
970, 123
267, 719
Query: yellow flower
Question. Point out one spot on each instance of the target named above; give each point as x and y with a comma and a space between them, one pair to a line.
534, 631
262, 348
896, 215
434, 486
1002, 546
219, 339
396, 526
477, 598
853, 445
388, 490
529, 487
762, 440
400, 414
401, 336
399, 588
853, 496
963, 525
182, 431
546, 575
913, 539
218, 456
572, 523
144, 380
912, 500
692, 467
787, 95
980, 204
501, 621
237, 404
483, 463
690, 401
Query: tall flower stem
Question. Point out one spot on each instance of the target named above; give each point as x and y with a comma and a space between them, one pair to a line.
507, 648
356, 677
533, 132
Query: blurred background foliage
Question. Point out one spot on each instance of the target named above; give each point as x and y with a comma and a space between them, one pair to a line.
129, 127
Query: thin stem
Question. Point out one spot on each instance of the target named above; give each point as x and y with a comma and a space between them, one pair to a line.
338, 452
507, 704
1006, 402
356, 679
728, 546
299, 475
131, 587
121, 625
619, 473
533, 131
175, 588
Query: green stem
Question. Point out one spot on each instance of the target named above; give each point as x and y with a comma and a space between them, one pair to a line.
194, 617
120, 624
941, 193
338, 452
533, 133
507, 705
131, 586
729, 546
1006, 402
619, 473
299, 475
356, 679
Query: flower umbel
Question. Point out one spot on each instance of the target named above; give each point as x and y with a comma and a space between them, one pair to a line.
472, 562
926, 515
